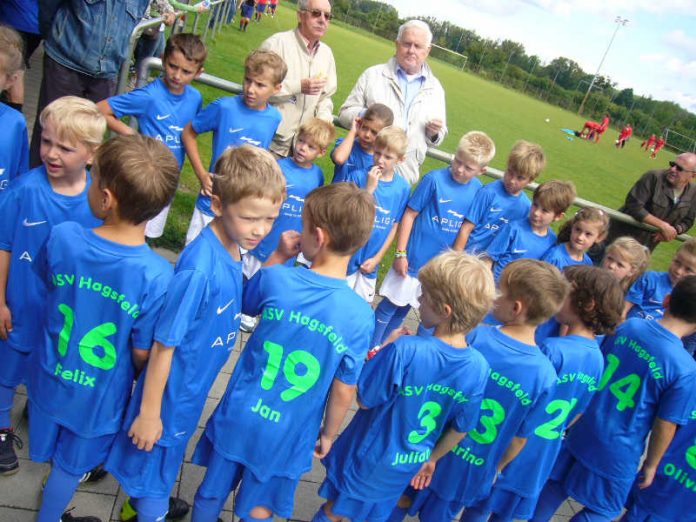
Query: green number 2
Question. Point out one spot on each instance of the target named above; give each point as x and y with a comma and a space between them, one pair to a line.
489, 422
301, 384
547, 430
625, 388
427, 415
96, 337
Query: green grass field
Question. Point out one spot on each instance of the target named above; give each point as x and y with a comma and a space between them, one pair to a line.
600, 172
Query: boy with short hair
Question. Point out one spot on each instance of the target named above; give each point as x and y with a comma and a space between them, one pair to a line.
647, 387
163, 107
72, 128
317, 330
391, 193
429, 225
105, 288
503, 200
195, 333
366, 475
235, 120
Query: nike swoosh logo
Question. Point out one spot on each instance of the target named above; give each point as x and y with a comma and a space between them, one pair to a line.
494, 209
232, 131
289, 186
223, 308
445, 200
237, 315
28, 223
518, 251
159, 118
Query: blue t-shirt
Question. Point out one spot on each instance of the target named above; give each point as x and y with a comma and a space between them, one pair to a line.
390, 202
14, 145
518, 241
647, 374
493, 209
234, 124
23, 15
579, 364
559, 257
103, 299
415, 389
441, 204
161, 114
313, 329
357, 159
200, 319
300, 181
520, 382
29, 209
648, 294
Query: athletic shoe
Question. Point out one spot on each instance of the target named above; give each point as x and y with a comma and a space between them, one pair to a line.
94, 475
9, 463
178, 508
67, 517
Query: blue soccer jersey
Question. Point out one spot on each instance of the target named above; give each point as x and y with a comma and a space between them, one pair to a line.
14, 145
647, 374
441, 204
648, 295
313, 329
559, 257
300, 181
358, 159
161, 114
492, 211
29, 209
390, 202
518, 241
103, 299
520, 381
234, 124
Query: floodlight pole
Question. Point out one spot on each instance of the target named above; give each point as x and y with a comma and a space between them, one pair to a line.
619, 22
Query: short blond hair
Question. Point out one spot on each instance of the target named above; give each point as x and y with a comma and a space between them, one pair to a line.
688, 246
539, 285
320, 132
477, 146
261, 60
76, 120
463, 282
555, 195
526, 159
11, 50
635, 254
393, 139
248, 171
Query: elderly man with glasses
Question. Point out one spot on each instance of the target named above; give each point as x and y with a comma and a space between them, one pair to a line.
311, 78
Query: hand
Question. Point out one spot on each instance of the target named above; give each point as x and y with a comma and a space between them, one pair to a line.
289, 244
373, 176
667, 231
369, 265
169, 18
396, 333
648, 475
145, 432
400, 265
355, 124
5, 322
207, 184
424, 476
433, 128
323, 446
312, 86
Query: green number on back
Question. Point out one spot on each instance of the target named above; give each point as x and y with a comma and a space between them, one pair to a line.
546, 430
301, 384
625, 388
691, 455
275, 354
96, 337
66, 331
427, 415
489, 422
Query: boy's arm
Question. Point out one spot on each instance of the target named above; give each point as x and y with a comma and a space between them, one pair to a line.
513, 449
340, 399
341, 153
139, 358
188, 138
370, 264
660, 438
463, 236
402, 236
425, 474
112, 121
288, 247
5, 314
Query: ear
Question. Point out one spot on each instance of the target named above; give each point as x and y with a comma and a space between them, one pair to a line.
11, 80
446, 312
200, 71
90, 157
216, 205
518, 308
321, 237
559, 216
107, 200
277, 87
321, 152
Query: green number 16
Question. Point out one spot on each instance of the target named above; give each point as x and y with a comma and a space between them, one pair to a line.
97, 336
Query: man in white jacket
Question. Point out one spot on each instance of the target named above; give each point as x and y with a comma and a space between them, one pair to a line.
408, 86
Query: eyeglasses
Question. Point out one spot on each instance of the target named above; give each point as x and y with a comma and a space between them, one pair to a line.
679, 167
316, 13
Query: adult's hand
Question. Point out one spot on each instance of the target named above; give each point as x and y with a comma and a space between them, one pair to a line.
312, 86
433, 128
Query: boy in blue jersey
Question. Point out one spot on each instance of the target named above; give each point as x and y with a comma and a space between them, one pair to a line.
647, 387
317, 330
356, 149
503, 200
520, 382
429, 226
391, 193
235, 120
72, 128
412, 392
195, 333
531, 237
105, 289
646, 296
163, 107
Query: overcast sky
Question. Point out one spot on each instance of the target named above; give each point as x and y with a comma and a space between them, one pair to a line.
655, 53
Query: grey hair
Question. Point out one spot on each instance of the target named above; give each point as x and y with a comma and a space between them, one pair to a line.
302, 4
411, 24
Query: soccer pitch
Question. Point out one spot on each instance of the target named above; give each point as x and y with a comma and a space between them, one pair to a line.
600, 171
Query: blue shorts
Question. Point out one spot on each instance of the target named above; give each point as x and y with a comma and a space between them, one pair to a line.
13, 369
145, 473
247, 11
432, 508
508, 505
48, 441
260, 8
356, 509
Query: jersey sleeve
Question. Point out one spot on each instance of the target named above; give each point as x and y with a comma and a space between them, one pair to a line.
134, 103
357, 176
537, 412
252, 292
637, 291
679, 400
478, 209
423, 194
207, 119
185, 295
9, 215
502, 243
382, 377
402, 206
143, 331
22, 154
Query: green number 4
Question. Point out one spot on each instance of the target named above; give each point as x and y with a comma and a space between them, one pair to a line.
301, 384
625, 388
427, 415
96, 337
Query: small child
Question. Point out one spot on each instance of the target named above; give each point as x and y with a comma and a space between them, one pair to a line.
520, 382
391, 192
246, 11
429, 226
272, 7
235, 120
587, 227
626, 259
163, 107
503, 200
317, 330
647, 295
366, 474
71, 130
531, 237
195, 333
260, 9
592, 308
14, 142
347, 154
105, 289
647, 388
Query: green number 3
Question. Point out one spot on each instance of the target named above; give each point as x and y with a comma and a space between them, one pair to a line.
691, 455
427, 415
301, 384
489, 422
96, 337
547, 430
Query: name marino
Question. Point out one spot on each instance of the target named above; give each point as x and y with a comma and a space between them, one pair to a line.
106, 291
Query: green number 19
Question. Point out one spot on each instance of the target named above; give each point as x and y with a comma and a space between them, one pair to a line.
96, 337
301, 384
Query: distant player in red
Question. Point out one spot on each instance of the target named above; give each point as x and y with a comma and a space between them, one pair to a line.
624, 135
648, 144
660, 143
592, 130
272, 7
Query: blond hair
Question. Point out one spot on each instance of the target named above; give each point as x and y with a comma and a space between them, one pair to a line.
11, 50
461, 281
635, 254
526, 159
248, 171
76, 120
261, 60
688, 246
319, 132
477, 146
555, 195
393, 139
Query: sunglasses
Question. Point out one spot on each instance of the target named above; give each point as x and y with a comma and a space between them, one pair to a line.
316, 13
679, 167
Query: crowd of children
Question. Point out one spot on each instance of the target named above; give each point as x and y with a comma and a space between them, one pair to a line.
521, 340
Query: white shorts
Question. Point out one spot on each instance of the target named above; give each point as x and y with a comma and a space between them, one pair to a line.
199, 221
363, 286
155, 227
400, 290
250, 265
